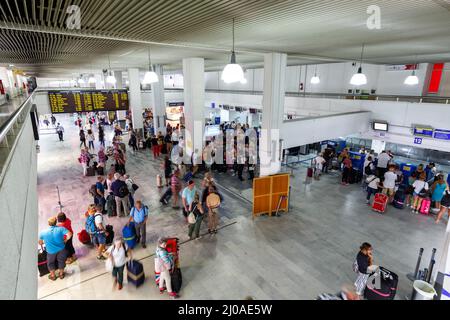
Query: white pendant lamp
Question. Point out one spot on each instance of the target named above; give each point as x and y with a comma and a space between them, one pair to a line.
92, 80
412, 80
232, 72
81, 80
110, 78
150, 76
315, 79
359, 78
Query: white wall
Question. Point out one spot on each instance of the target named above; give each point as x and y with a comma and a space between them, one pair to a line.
19, 221
305, 131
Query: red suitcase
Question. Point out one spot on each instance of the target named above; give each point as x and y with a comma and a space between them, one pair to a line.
425, 206
380, 203
84, 237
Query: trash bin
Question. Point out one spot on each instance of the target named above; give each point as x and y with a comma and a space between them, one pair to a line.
423, 291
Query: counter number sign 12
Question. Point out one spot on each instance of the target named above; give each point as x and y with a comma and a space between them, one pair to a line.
418, 140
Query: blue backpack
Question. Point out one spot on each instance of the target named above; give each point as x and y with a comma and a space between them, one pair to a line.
91, 228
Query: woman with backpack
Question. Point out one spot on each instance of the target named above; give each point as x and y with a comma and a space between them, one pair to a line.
118, 254
195, 217
364, 267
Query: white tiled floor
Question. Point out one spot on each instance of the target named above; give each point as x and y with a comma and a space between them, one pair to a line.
305, 252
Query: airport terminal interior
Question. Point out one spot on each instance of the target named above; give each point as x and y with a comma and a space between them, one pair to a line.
225, 150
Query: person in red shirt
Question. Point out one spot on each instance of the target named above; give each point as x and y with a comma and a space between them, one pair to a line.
65, 222
347, 171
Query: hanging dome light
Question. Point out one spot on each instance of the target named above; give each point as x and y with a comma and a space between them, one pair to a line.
81, 81
315, 79
110, 78
232, 72
150, 76
359, 78
412, 80
92, 80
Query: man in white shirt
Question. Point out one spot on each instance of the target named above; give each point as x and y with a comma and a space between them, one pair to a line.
383, 162
373, 183
389, 183
319, 161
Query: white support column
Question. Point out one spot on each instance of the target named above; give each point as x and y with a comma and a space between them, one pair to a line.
273, 109
194, 103
119, 79
135, 98
159, 102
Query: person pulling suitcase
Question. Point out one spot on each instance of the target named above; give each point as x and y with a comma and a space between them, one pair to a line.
165, 265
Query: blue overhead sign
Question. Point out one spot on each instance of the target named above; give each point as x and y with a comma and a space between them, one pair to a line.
442, 134
423, 131
418, 140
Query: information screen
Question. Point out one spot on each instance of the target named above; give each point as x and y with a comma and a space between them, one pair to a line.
88, 101
380, 126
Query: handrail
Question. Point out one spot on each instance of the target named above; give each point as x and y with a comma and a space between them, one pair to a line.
7, 125
332, 95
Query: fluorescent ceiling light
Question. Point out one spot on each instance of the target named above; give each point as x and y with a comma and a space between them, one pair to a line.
359, 78
412, 80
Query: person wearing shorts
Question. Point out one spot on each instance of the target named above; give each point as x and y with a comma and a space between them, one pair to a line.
389, 183
445, 205
54, 239
99, 238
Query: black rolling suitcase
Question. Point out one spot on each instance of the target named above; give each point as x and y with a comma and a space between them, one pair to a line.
135, 273
382, 288
166, 196
109, 234
176, 280
100, 171
399, 199
90, 171
42, 262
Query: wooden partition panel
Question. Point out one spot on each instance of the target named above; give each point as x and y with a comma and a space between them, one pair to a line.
267, 192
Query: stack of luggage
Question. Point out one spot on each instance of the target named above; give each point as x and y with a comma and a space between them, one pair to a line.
173, 247
382, 286
380, 202
135, 273
399, 198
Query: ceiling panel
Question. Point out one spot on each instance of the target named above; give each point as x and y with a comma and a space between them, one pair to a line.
33, 33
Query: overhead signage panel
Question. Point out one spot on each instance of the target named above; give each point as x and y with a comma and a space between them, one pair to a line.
88, 101
442, 134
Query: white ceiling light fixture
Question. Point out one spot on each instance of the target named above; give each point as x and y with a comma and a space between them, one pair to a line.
92, 80
359, 78
412, 80
110, 78
315, 79
81, 80
150, 76
232, 72
244, 81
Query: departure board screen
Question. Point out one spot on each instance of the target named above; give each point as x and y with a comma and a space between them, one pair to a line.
88, 101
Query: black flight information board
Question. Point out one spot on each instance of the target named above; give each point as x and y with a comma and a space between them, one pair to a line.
88, 101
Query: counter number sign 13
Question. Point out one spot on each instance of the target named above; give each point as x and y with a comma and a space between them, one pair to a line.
418, 140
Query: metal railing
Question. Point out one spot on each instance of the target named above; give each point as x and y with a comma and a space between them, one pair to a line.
9, 133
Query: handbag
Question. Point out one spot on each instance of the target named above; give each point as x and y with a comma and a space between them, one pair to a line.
109, 264
134, 186
191, 217
355, 267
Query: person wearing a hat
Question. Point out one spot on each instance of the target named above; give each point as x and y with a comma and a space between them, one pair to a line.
55, 239
188, 197
165, 263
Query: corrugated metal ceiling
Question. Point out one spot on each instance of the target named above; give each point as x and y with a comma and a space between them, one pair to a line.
33, 33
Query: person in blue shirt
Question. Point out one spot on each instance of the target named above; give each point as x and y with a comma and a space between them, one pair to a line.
188, 197
55, 239
100, 189
139, 215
